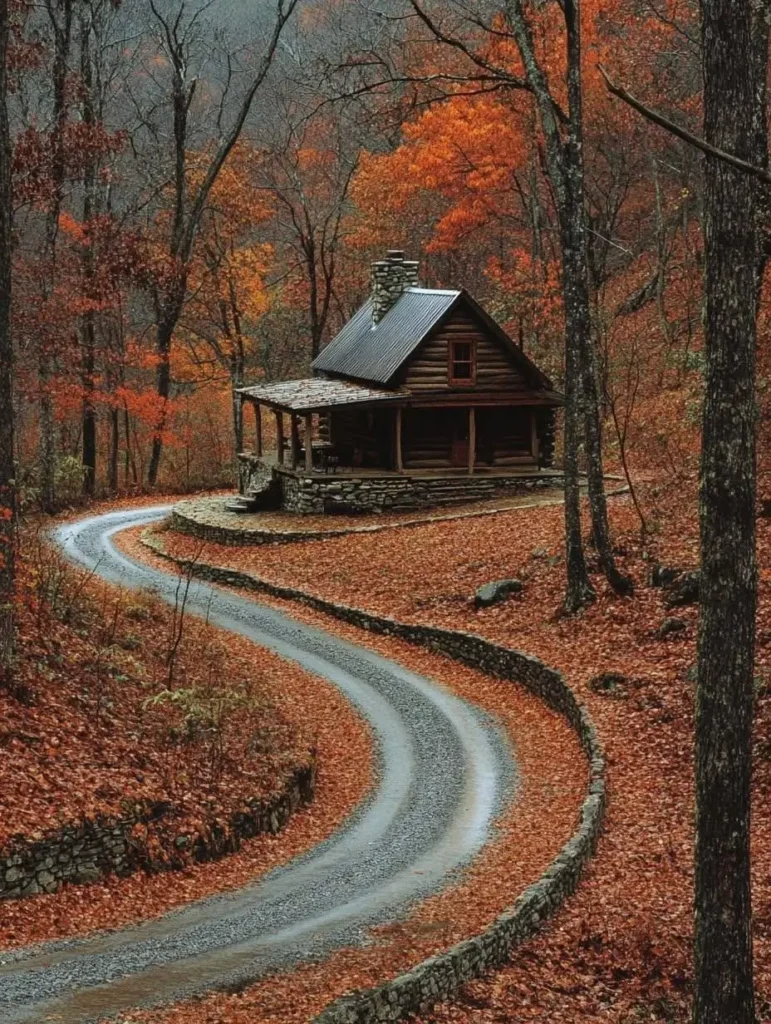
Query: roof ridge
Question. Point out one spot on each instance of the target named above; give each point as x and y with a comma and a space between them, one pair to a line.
434, 291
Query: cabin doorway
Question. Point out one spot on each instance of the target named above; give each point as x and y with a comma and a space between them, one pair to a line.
460, 440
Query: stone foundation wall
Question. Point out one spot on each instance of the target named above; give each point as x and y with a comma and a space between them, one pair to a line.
89, 851
441, 976
342, 494
251, 472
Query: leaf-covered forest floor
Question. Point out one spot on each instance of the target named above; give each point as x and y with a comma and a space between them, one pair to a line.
210, 510
620, 949
528, 836
85, 734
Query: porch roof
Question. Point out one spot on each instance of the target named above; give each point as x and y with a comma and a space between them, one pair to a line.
316, 393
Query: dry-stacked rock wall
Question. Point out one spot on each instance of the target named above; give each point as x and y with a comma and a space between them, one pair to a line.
441, 976
92, 849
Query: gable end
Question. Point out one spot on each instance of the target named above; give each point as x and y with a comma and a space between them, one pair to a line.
499, 365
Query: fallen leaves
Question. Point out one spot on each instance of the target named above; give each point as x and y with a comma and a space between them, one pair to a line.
529, 834
87, 742
621, 946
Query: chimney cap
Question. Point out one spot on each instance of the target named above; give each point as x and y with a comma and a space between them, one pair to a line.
395, 254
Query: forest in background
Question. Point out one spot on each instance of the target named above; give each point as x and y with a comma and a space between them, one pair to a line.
198, 190
152, 273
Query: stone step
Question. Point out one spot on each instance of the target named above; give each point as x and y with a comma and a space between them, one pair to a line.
458, 492
464, 488
241, 505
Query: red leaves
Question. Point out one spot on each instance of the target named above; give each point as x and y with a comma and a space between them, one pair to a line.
88, 744
621, 947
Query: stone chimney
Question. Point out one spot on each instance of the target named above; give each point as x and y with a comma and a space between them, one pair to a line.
390, 277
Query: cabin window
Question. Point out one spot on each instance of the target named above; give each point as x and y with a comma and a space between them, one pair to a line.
462, 369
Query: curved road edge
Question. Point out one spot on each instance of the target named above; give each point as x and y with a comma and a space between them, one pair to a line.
445, 773
441, 977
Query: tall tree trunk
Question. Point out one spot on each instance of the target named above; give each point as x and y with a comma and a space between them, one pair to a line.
60, 15
112, 482
565, 169
7, 452
88, 328
163, 337
575, 267
579, 591
723, 939
163, 390
188, 208
237, 381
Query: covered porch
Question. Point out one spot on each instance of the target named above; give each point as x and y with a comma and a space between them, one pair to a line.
302, 411
331, 426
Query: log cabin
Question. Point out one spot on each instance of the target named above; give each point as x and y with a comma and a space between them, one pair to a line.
421, 399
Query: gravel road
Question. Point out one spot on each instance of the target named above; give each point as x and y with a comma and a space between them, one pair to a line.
445, 771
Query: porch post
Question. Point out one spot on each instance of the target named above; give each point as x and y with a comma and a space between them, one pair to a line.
279, 436
398, 441
294, 439
258, 428
472, 439
238, 410
534, 436
309, 442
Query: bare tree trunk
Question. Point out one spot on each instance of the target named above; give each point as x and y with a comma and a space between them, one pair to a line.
163, 339
163, 390
114, 449
724, 698
60, 16
7, 452
88, 329
565, 169
579, 591
575, 269
237, 381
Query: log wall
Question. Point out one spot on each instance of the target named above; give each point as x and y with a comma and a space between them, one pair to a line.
427, 371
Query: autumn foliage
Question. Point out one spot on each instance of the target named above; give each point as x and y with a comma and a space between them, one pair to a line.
368, 135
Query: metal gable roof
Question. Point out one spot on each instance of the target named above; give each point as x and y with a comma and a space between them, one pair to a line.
375, 353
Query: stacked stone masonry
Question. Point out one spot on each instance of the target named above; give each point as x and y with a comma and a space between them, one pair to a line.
441, 976
344, 495
209, 519
89, 851
389, 280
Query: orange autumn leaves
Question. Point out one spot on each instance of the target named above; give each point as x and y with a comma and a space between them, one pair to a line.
621, 947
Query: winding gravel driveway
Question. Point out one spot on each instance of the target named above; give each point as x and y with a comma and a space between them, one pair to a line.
445, 771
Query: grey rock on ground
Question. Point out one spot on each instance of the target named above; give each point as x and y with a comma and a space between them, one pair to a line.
494, 593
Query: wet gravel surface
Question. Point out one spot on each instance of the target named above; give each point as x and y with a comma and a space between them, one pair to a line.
445, 771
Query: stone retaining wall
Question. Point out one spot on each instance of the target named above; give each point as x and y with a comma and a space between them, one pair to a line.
343, 494
441, 976
89, 851
193, 517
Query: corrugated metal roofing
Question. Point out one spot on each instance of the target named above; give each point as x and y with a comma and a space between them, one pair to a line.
317, 393
376, 353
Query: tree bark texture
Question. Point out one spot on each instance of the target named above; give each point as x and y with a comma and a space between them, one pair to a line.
723, 939
88, 325
163, 336
7, 452
565, 169
578, 317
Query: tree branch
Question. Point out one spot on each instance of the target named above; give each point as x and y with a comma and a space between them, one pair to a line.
458, 44
682, 133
